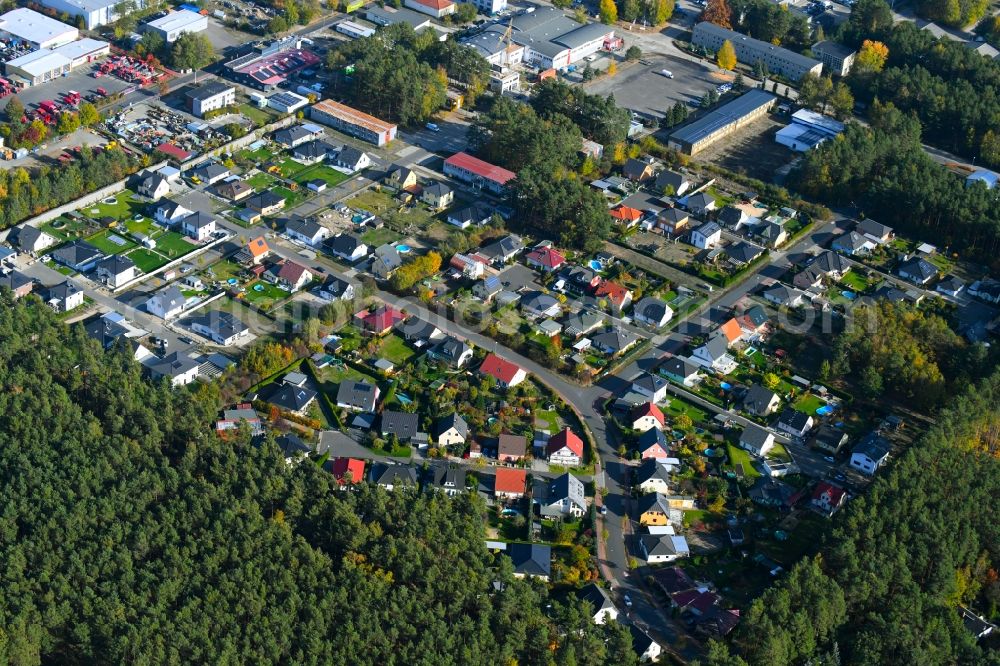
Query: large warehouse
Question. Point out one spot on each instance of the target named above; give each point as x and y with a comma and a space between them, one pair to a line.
29, 27
48, 64
95, 13
750, 51
721, 122
175, 24
546, 37
353, 122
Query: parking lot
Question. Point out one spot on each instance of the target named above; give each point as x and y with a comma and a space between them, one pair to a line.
80, 80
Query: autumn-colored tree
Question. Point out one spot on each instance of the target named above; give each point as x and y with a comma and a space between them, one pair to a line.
726, 57
608, 12
871, 57
612, 68
719, 13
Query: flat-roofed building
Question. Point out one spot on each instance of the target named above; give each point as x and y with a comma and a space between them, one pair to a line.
38, 67
353, 122
95, 13
836, 58
750, 51
721, 122
83, 51
354, 29
175, 24
212, 96
29, 27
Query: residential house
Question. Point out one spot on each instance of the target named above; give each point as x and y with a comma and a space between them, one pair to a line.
487, 288
116, 270
626, 216
770, 234
538, 304
918, 271
701, 204
652, 476
348, 471
452, 351
829, 439
637, 170
234, 190
645, 647
615, 340
794, 422
153, 185
451, 430
507, 374
950, 286
604, 610
79, 255
386, 261
211, 172
650, 386
660, 548
357, 396
290, 396
419, 331
232, 419
254, 252
564, 448
580, 279
476, 215
769, 492
680, 370
671, 183
756, 440
391, 476
870, 454
877, 232
974, 624
348, 247
20, 285
30, 239
380, 320
170, 213
707, 236
853, 244
828, 498
714, 354
531, 560
654, 510
653, 445
313, 152
647, 416
986, 290
673, 221
733, 217
510, 483
352, 160
503, 250
753, 322
290, 276
550, 328
652, 311
265, 203
511, 448
615, 294
438, 196
222, 328
448, 479
467, 266
306, 230
198, 226
401, 424
742, 253
760, 401
564, 497
581, 322
828, 265
167, 303
62, 297
290, 137
180, 370
545, 259
784, 296
401, 177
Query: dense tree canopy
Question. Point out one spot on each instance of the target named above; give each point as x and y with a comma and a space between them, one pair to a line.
513, 135
562, 207
599, 118
771, 22
132, 534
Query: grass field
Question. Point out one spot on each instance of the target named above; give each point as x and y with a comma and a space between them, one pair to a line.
345, 372
292, 199
854, 282
259, 117
289, 167
143, 226
395, 349
678, 407
125, 207
738, 456
147, 260
321, 171
65, 228
259, 155
173, 245
102, 241
376, 237
267, 297
223, 270
261, 181
547, 420
808, 403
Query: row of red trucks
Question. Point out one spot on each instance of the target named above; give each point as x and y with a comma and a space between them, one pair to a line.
126, 68
48, 111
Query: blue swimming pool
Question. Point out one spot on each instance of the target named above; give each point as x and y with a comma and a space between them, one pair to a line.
849, 295
258, 287
725, 386
824, 410
233, 281
595, 265
402, 248
403, 398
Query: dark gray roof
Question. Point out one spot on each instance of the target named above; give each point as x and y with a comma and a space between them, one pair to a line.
615, 339
649, 382
303, 225
198, 220
402, 424
651, 308
105, 331
290, 135
262, 200
445, 477
210, 169
671, 178
360, 395
116, 264
14, 280
754, 436
395, 475
744, 252
350, 156
538, 301
735, 37
831, 47
172, 365
723, 115
223, 324
596, 597
717, 346
679, 367
654, 502
208, 90
651, 437
870, 226
25, 236
918, 268
344, 243
453, 420
313, 150
568, 487
292, 445
438, 189
77, 253
451, 349
794, 419
874, 446
758, 398
291, 398
530, 559
581, 322
650, 469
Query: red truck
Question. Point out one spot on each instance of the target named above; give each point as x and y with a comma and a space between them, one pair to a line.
102, 92
71, 97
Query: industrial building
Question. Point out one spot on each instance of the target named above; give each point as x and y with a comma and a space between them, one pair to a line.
389, 16
287, 102
750, 51
47, 64
721, 122
836, 58
26, 26
175, 24
353, 122
478, 173
210, 97
490, 7
807, 130
265, 66
95, 13
353, 29
545, 37
436, 8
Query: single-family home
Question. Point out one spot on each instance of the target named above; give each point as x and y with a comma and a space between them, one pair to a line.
616, 295
604, 610
564, 448
732, 217
760, 401
877, 232
647, 416
546, 259
242, 413
829, 264
784, 296
828, 498
291, 395
615, 340
756, 440
254, 252
653, 445
650, 386
306, 230
660, 548
507, 374
348, 247
352, 160
564, 497
770, 234
637, 170
487, 288
233, 190
180, 370
510, 483
501, 251
510, 448
357, 396
742, 252
222, 328
853, 244
153, 185
348, 471
680, 370
313, 152
170, 213
752, 322
794, 422
917, 271
438, 196
265, 203
30, 239
211, 172
643, 645
400, 177
530, 560
652, 311
671, 183
451, 430
870, 454
701, 204
539, 305
626, 216
419, 331
116, 270
20, 285
386, 261
452, 351
380, 320
654, 509
167, 303
476, 215
292, 276
468, 266
950, 286
581, 322
707, 236
829, 439
391, 476
403, 425
714, 354
580, 279
652, 477
198, 226
448, 479
62, 297
290, 137
673, 221
78, 255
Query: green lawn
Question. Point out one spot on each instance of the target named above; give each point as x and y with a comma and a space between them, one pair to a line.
143, 226
102, 241
678, 406
737, 456
261, 180
855, 282
808, 403
259, 116
292, 199
147, 260
290, 167
323, 172
547, 420
266, 297
173, 245
65, 228
376, 237
124, 207
222, 271
343, 373
395, 349
260, 155
779, 452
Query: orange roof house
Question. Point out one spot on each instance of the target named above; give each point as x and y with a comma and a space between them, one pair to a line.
732, 330
510, 483
254, 252
626, 215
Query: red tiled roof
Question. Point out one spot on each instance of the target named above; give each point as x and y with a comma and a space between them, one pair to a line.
565, 438
612, 290
436, 4
381, 319
291, 271
497, 367
480, 168
547, 256
836, 493
510, 480
626, 213
173, 151
731, 329
258, 247
648, 409
341, 466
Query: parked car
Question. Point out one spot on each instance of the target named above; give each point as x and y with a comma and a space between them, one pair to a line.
667, 73
604, 510
628, 601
